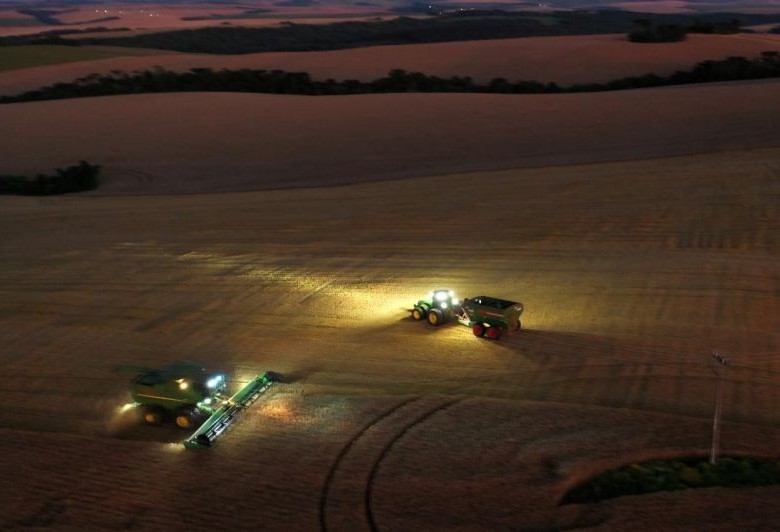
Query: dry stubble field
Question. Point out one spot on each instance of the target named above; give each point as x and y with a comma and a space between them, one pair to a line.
632, 273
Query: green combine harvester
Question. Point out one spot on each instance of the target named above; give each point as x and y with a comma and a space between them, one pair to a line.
191, 397
489, 317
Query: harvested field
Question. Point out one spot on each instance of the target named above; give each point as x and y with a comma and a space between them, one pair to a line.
27, 57
213, 142
632, 273
625, 301
640, 229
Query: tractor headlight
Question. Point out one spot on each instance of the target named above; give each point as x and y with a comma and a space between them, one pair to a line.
441, 295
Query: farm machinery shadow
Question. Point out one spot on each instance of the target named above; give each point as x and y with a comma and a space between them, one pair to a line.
128, 425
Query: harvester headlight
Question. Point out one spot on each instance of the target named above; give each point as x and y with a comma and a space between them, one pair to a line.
125, 407
214, 381
207, 401
183, 385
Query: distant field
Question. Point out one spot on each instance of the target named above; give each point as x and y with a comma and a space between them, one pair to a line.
542, 59
16, 22
19, 57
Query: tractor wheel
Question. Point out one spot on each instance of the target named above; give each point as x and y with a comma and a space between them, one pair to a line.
494, 333
187, 417
435, 317
417, 314
152, 415
478, 329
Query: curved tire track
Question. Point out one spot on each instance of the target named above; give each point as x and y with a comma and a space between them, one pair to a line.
375, 469
340, 457
345, 499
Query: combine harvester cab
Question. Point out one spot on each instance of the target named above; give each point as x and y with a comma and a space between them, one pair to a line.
193, 399
487, 316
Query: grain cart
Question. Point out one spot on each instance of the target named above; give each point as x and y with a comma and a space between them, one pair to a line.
191, 397
487, 316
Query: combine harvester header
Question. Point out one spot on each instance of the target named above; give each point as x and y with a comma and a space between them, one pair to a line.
225, 415
193, 398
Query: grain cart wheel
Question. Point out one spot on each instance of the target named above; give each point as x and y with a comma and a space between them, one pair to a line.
435, 317
494, 333
417, 314
152, 415
478, 329
187, 417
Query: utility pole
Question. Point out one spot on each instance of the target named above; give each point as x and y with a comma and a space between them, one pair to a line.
721, 362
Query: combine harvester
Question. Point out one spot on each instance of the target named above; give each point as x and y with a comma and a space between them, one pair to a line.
487, 316
192, 397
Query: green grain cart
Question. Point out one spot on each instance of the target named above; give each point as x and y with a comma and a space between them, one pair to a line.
191, 397
487, 316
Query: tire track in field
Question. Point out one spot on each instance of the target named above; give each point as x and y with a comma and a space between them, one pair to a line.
375, 469
345, 499
327, 486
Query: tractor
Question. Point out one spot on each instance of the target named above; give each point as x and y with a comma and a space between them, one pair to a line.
487, 316
438, 308
191, 397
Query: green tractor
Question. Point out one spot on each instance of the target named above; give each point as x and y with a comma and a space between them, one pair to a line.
489, 317
438, 308
191, 397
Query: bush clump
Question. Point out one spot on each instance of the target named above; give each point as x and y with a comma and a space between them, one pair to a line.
78, 178
659, 33
673, 475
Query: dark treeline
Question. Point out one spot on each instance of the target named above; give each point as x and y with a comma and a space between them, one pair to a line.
281, 82
646, 31
78, 178
455, 26
293, 37
450, 26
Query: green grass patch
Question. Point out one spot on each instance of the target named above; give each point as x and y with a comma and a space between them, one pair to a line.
16, 57
674, 475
